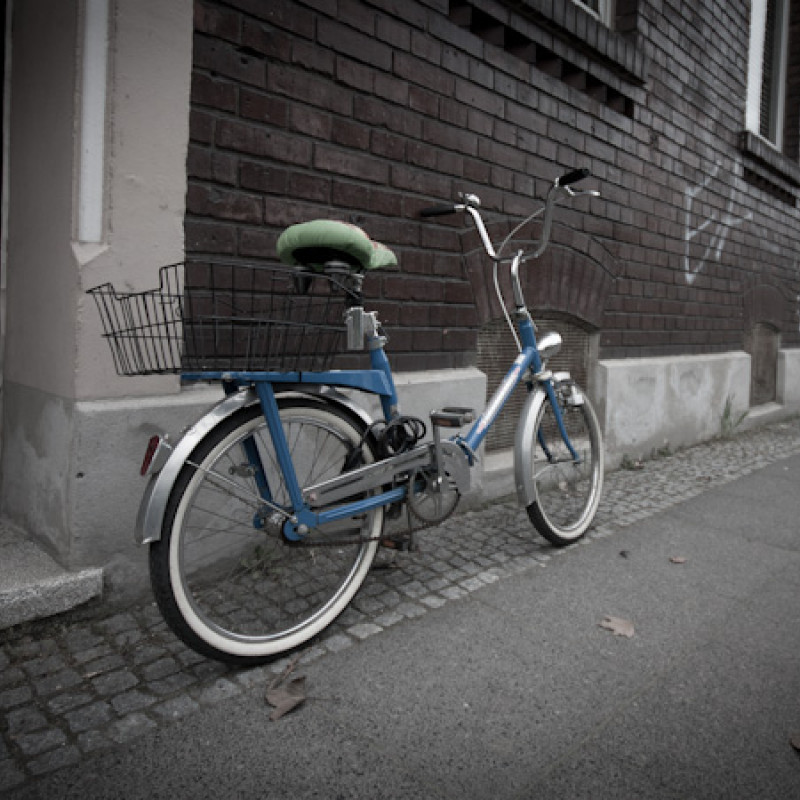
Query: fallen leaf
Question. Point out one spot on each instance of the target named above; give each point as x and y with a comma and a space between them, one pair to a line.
286, 696
619, 627
624, 553
678, 560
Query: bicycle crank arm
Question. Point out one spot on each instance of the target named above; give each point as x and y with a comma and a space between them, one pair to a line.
378, 475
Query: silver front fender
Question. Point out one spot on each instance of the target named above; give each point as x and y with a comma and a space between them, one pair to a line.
525, 446
150, 518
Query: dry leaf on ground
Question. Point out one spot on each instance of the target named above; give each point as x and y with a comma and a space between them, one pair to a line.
678, 560
286, 696
619, 627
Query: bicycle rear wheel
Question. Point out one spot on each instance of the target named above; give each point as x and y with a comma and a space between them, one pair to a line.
226, 580
567, 492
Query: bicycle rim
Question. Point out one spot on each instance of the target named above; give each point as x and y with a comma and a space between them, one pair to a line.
567, 492
236, 589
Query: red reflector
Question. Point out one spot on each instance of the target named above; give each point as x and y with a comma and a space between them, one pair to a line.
152, 446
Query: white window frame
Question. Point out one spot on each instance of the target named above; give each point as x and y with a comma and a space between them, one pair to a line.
758, 30
604, 13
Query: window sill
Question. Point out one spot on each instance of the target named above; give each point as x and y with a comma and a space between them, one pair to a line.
776, 162
618, 51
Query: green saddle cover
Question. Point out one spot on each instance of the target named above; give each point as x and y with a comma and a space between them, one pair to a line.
313, 244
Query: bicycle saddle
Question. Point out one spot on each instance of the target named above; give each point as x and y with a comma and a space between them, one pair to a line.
314, 244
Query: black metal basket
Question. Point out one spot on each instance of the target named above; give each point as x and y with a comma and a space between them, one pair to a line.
212, 317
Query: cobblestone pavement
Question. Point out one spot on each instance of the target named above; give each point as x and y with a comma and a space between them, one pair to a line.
93, 680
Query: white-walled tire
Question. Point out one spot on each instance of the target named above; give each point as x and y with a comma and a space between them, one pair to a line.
566, 494
232, 587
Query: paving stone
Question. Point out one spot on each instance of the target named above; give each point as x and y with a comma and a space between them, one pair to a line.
15, 697
364, 630
119, 623
11, 676
147, 654
114, 682
133, 700
252, 677
221, 690
81, 639
54, 760
176, 708
10, 775
389, 618
410, 610
65, 702
129, 727
90, 741
453, 593
92, 653
338, 642
172, 684
106, 663
40, 667
24, 720
160, 669
433, 601
32, 744
90, 716
65, 679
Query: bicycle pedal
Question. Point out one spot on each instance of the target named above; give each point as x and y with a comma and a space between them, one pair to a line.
452, 417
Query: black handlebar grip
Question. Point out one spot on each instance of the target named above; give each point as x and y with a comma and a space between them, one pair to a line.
438, 211
573, 177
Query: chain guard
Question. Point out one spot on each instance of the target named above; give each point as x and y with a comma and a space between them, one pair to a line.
430, 500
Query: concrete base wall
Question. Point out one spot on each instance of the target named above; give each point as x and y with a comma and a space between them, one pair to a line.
70, 472
646, 404
788, 378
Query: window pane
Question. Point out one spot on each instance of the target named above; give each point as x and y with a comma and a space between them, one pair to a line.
597, 8
772, 84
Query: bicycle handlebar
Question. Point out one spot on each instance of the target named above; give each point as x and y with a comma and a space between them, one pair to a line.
438, 211
573, 177
471, 204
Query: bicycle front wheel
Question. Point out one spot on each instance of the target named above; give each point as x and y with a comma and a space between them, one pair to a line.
225, 578
567, 492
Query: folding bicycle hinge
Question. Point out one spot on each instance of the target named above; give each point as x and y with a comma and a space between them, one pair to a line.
448, 417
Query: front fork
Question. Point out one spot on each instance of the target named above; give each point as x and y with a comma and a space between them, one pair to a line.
550, 390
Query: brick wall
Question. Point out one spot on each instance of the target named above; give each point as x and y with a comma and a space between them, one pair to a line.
368, 110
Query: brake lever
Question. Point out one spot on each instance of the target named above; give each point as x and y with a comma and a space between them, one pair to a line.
582, 192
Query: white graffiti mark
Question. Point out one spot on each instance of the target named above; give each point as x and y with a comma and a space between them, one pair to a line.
715, 228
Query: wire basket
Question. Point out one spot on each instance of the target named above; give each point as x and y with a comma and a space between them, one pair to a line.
217, 317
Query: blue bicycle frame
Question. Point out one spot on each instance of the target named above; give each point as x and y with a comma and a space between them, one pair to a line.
378, 381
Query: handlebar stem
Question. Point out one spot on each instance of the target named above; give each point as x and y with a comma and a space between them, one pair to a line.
479, 224
550, 203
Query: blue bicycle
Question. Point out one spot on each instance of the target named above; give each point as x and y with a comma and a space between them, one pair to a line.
264, 518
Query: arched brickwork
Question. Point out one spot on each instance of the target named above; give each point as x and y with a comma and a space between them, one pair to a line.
574, 276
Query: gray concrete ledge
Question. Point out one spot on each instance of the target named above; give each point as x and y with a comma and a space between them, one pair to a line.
33, 585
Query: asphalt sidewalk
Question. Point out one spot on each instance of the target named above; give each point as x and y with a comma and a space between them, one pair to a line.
476, 668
